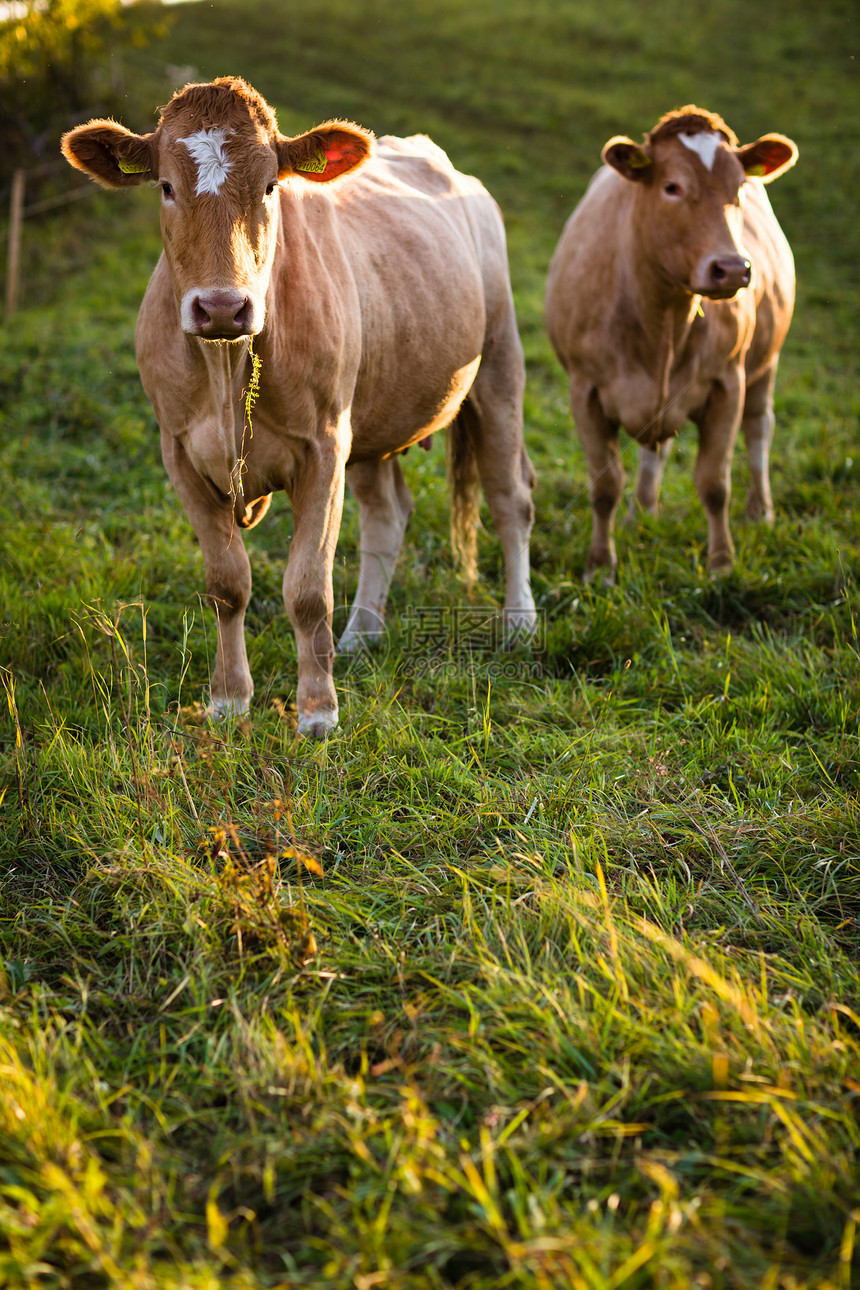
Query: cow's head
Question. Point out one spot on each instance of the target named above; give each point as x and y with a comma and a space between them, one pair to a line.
688, 174
217, 156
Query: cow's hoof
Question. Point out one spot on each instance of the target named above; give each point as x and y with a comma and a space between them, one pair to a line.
358, 642
364, 630
638, 508
720, 565
758, 513
520, 625
234, 707
317, 725
600, 575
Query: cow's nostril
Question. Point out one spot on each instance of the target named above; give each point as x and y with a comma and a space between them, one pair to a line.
728, 273
200, 316
243, 315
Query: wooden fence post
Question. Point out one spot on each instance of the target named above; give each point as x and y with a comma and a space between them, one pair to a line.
16, 208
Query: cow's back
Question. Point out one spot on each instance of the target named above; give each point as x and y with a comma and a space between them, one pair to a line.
426, 249
415, 177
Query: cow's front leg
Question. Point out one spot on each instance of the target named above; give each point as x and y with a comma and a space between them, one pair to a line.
600, 441
228, 576
718, 431
385, 505
317, 499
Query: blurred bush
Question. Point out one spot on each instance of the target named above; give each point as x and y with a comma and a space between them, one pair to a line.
59, 59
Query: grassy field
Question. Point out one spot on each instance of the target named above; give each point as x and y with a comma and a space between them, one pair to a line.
544, 971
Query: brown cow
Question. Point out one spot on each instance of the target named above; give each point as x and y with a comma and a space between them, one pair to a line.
381, 309
669, 297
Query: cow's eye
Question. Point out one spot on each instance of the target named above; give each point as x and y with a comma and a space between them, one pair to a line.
672, 189
166, 188
270, 188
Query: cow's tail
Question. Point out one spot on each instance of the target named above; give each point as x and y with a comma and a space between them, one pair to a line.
465, 488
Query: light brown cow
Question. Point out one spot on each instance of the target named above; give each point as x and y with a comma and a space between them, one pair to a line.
381, 309
669, 297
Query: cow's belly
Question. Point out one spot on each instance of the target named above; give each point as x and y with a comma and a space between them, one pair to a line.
633, 401
380, 428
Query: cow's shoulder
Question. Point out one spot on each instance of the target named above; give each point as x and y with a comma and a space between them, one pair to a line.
414, 145
598, 226
585, 266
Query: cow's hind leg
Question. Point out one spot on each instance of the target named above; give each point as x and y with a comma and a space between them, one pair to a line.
652, 463
385, 505
487, 436
228, 577
758, 423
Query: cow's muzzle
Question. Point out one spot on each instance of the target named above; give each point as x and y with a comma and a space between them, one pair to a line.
723, 276
221, 313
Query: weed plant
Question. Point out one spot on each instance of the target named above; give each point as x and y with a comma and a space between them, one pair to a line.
543, 972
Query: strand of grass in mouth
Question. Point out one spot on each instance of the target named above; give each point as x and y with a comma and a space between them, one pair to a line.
251, 395
253, 390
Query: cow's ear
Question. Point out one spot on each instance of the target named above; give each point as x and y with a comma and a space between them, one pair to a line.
110, 154
630, 159
768, 157
332, 149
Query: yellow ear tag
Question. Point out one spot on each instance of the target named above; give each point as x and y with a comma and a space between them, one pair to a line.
757, 171
131, 167
314, 165
638, 160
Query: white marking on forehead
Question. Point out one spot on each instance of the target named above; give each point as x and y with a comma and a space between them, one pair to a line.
207, 149
705, 144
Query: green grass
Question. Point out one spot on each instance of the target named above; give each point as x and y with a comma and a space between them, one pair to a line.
544, 971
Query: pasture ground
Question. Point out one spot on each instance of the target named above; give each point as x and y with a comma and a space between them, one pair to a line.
544, 971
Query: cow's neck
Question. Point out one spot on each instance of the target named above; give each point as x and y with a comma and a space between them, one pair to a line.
655, 297
227, 374
666, 313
